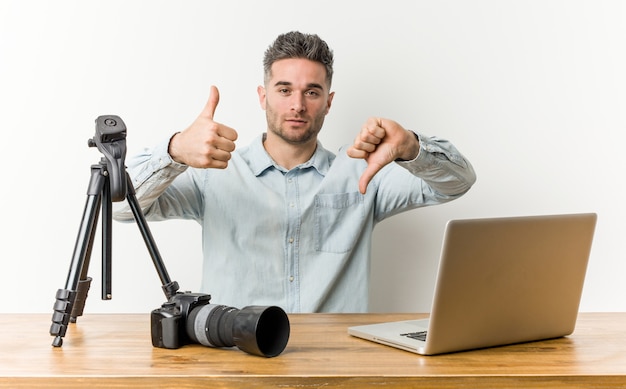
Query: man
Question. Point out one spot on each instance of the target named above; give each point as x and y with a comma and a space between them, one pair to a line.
286, 222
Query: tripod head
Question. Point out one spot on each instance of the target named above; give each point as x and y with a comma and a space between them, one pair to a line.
110, 139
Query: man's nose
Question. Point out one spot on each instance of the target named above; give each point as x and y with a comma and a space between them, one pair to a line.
297, 103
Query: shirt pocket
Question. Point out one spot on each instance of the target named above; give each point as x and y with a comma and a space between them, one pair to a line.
339, 219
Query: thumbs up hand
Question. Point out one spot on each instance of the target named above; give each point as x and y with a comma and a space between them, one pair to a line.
205, 143
380, 142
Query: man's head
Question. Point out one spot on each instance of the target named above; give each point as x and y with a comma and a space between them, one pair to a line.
295, 44
296, 95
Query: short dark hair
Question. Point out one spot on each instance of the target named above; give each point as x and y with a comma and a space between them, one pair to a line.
295, 44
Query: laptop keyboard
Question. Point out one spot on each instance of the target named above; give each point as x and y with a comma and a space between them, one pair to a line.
420, 335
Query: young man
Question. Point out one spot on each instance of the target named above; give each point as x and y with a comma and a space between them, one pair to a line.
286, 222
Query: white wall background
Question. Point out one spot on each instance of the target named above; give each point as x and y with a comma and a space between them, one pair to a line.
533, 92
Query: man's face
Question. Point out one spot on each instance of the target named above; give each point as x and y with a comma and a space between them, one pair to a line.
296, 99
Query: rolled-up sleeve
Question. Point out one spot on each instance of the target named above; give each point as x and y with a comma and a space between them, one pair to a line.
152, 171
441, 166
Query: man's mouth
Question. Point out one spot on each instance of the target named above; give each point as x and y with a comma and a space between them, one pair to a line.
296, 121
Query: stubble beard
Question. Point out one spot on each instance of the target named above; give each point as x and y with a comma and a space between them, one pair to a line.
277, 126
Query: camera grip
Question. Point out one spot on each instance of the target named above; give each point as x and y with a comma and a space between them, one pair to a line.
165, 329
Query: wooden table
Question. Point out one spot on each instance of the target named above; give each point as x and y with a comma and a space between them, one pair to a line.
116, 351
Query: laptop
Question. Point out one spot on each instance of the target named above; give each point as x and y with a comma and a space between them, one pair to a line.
500, 281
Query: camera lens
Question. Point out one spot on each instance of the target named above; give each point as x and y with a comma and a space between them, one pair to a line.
256, 330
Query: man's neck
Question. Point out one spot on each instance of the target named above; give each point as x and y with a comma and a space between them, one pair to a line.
286, 154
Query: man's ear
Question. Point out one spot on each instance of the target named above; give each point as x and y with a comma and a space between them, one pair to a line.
260, 90
330, 101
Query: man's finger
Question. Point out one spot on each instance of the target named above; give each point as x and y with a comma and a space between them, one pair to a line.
372, 134
228, 133
354, 152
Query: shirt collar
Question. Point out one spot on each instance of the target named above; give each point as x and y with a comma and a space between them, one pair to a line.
260, 160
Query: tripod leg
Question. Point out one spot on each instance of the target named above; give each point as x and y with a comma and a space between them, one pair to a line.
65, 298
107, 215
84, 284
169, 287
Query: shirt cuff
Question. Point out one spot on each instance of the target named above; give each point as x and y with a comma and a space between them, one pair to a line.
162, 155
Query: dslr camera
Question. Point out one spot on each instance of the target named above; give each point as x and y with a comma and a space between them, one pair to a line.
190, 318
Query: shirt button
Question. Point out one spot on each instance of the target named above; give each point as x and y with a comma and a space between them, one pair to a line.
290, 240
291, 205
291, 279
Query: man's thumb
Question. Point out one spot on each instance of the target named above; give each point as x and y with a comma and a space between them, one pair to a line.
214, 99
369, 173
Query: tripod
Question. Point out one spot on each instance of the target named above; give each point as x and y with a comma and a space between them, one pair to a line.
109, 182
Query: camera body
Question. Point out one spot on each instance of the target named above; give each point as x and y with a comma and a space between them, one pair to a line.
168, 323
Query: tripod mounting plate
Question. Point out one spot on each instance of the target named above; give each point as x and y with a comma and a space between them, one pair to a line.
110, 139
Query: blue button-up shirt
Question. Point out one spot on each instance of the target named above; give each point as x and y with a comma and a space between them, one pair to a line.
299, 238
